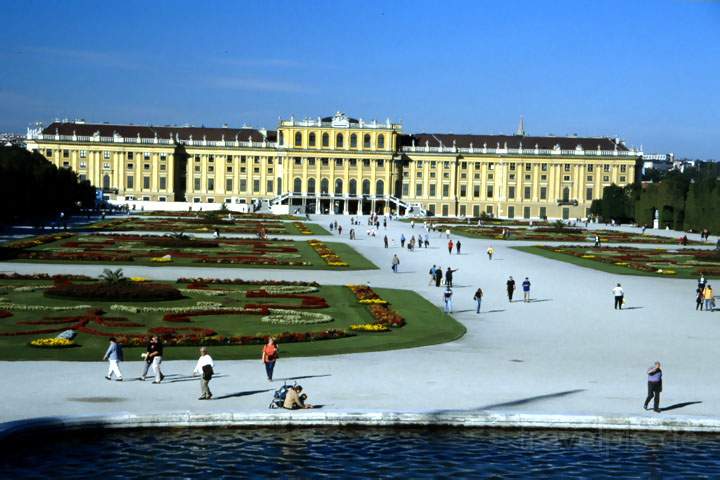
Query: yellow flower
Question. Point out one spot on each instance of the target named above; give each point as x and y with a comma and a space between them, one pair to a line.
137, 279
52, 342
588, 256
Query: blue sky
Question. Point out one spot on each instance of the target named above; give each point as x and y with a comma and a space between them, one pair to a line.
648, 71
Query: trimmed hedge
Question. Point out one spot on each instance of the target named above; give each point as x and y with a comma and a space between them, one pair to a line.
115, 291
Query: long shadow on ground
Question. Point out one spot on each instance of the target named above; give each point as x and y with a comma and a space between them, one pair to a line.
679, 405
241, 394
514, 403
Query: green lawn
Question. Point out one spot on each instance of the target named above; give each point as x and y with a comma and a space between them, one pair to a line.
642, 258
225, 252
426, 324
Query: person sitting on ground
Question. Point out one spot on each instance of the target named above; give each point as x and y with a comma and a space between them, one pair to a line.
295, 399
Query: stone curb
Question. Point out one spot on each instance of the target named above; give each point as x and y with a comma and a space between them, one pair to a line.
312, 418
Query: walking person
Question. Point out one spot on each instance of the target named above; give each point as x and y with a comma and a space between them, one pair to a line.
654, 387
447, 298
395, 263
597, 240
709, 298
204, 367
490, 252
385, 240
447, 233
526, 290
339, 229
153, 357
432, 275
269, 357
510, 286
457, 247
438, 276
449, 276
427, 241
478, 298
699, 298
114, 355
619, 295
450, 247
402, 240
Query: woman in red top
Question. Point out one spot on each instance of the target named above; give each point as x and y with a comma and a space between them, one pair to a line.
269, 357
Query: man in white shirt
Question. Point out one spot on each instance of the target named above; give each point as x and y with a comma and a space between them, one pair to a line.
204, 367
619, 295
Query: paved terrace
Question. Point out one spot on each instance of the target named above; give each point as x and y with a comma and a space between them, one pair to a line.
565, 359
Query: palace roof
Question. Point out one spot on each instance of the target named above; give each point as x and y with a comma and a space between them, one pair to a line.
511, 141
150, 131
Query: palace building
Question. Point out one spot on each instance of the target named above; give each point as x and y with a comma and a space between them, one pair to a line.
344, 165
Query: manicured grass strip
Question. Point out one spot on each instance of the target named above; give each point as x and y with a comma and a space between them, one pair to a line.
589, 263
426, 325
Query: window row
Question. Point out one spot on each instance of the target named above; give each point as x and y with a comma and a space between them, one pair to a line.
312, 140
338, 186
324, 162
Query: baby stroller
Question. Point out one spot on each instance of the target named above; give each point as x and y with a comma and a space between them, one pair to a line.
278, 399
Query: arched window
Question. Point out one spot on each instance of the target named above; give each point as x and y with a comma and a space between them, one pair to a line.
325, 140
298, 139
366, 140
311, 186
566, 194
353, 141
297, 185
339, 140
338, 186
311, 139
324, 186
281, 139
353, 186
379, 188
366, 187
381, 141
106, 182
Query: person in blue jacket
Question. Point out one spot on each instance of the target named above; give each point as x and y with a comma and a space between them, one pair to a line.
114, 355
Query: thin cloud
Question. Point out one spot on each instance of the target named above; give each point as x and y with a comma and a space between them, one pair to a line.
255, 84
91, 57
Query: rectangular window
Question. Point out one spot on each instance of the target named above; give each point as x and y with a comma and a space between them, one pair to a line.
366, 162
590, 168
83, 164
130, 184
589, 193
338, 162
463, 190
243, 159
229, 169
146, 155
589, 178
446, 164
130, 155
106, 155
527, 178
163, 167
463, 165
512, 176
512, 167
526, 193
163, 156
606, 168
433, 190
269, 186
543, 167
163, 183
210, 184
511, 212
543, 212
623, 168
298, 161
48, 152
66, 153
490, 176
566, 178
489, 191
243, 185
146, 166
83, 153
228, 184
196, 184
130, 166
511, 193
405, 189
311, 162
446, 190
381, 163
146, 183
106, 165
567, 167
622, 179
476, 191
526, 212
353, 162
543, 193
606, 178
325, 162
418, 190
528, 167
256, 186
197, 168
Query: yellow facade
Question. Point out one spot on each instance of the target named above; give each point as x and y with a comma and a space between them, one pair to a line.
342, 165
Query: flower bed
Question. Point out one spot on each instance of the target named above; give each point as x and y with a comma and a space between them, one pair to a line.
329, 256
123, 290
369, 327
295, 317
52, 343
379, 308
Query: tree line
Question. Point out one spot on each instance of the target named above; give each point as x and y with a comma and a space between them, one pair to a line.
33, 189
688, 200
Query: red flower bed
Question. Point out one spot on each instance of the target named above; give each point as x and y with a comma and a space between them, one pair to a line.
115, 291
5, 314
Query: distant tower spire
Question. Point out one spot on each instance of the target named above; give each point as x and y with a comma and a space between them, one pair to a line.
521, 127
